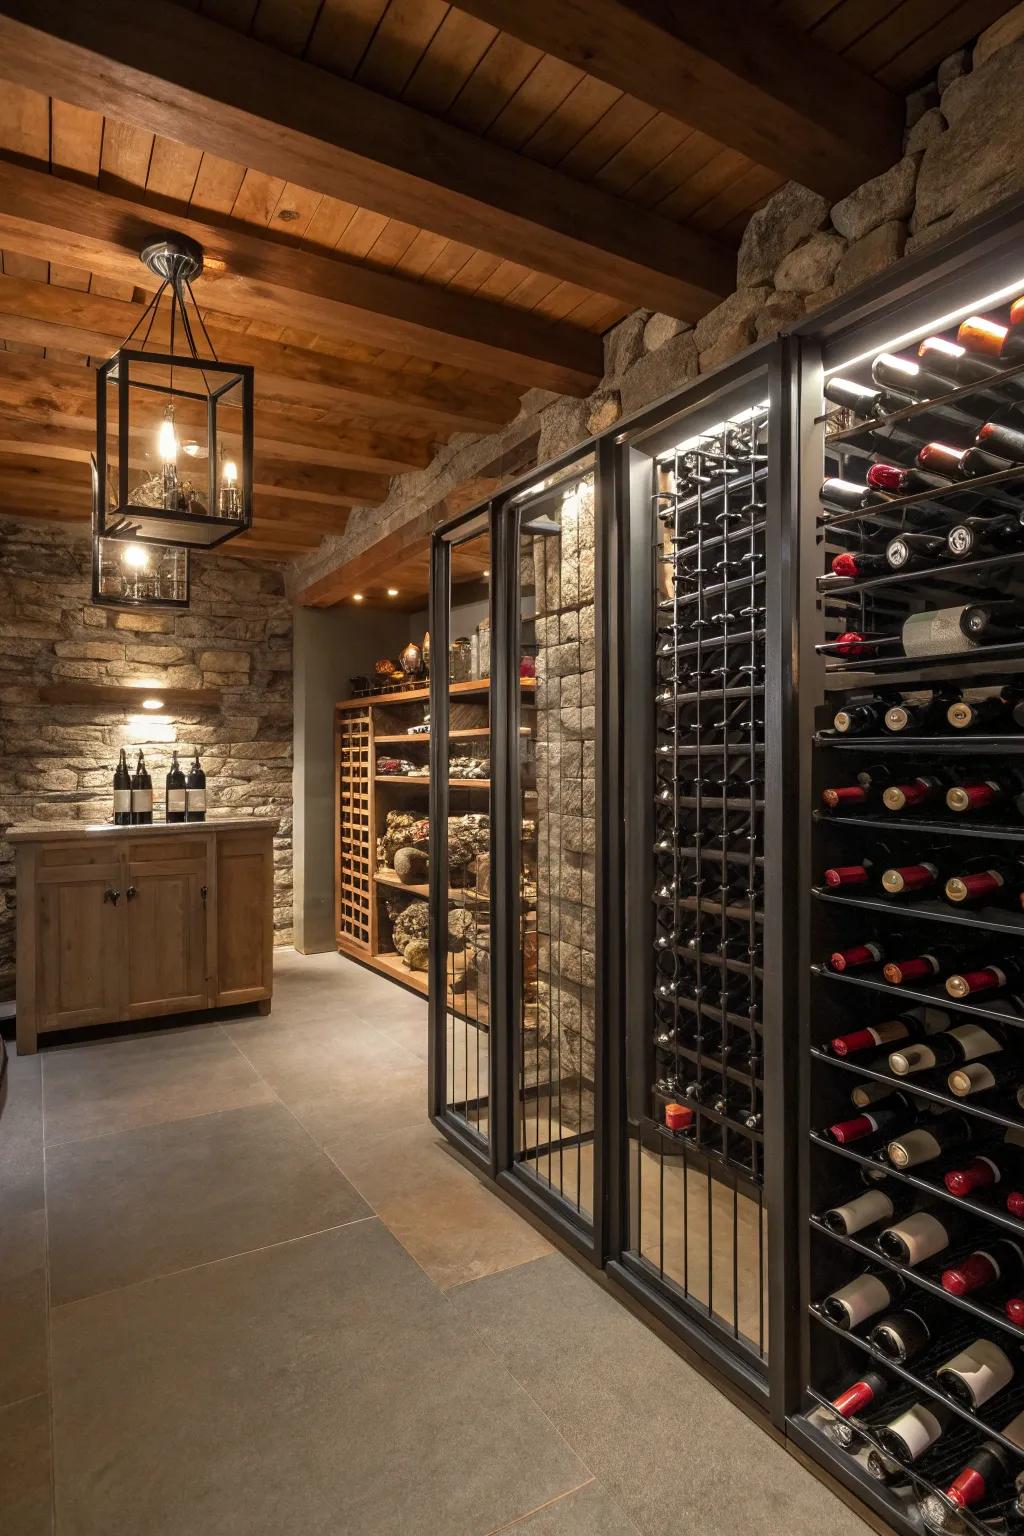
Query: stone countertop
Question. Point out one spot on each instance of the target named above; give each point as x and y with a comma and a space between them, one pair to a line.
55, 832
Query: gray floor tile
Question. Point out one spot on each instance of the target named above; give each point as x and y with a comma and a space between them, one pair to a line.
95, 1087
21, 1138
126, 1207
318, 1388
671, 1450
363, 1112
316, 1055
23, 1368
587, 1512
25, 1500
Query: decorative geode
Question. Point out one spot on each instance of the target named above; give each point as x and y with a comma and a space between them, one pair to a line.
416, 955
411, 866
413, 922
401, 831
461, 927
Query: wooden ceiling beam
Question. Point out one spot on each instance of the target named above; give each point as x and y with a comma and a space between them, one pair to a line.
734, 70
188, 78
253, 275
44, 314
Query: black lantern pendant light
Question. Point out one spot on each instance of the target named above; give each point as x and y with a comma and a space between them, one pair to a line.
174, 429
130, 573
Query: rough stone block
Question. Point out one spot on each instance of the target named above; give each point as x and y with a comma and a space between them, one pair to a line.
224, 661
659, 329
660, 372
624, 344
999, 35
985, 112
929, 127
781, 309
810, 266
773, 231
867, 257
886, 197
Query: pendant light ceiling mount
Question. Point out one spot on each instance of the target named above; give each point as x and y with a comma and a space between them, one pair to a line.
175, 259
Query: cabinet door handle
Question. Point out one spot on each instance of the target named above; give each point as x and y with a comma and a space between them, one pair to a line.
111, 895
131, 893
204, 892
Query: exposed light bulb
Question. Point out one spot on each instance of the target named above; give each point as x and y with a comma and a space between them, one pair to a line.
136, 556
230, 472
357, 597
167, 442
392, 591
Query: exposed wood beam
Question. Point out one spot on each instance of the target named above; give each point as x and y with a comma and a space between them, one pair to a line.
181, 75
379, 559
256, 276
734, 70
43, 314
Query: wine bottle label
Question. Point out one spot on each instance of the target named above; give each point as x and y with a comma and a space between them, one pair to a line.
862, 1298
982, 1369
122, 801
974, 1041
935, 633
142, 801
917, 1429
973, 1079
918, 1146
920, 1237
196, 799
913, 1058
176, 799
863, 1211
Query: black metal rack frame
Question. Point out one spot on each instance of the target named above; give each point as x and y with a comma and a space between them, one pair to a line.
981, 260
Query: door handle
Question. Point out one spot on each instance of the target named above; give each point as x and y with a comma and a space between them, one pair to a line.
111, 895
204, 892
131, 893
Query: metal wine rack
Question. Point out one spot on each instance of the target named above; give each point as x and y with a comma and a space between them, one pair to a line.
868, 655
709, 815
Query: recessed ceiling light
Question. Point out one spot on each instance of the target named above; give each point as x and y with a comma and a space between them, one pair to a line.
357, 597
392, 591
487, 573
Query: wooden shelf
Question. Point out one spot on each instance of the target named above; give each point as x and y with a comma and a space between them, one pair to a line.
420, 695
478, 732
388, 878
424, 778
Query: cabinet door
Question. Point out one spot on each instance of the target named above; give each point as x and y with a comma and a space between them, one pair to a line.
79, 952
165, 917
245, 917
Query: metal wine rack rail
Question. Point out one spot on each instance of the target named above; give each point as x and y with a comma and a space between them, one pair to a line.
708, 855
876, 607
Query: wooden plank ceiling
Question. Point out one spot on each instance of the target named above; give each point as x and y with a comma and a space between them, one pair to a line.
414, 211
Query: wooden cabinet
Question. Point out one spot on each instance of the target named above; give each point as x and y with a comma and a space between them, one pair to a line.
131, 923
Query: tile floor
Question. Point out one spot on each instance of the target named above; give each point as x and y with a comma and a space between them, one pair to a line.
245, 1290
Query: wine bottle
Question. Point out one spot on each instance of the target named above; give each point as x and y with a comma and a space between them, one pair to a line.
867, 1209
999, 1163
974, 795
857, 957
902, 1335
842, 876
976, 1373
987, 339
142, 794
920, 879
996, 621
874, 1126
919, 711
914, 551
902, 479
863, 1095
122, 793
863, 1297
175, 805
1002, 709
986, 878
914, 794
907, 1027
856, 1399
985, 979
979, 536
864, 401
849, 495
951, 1048
937, 960
920, 1236
859, 563
940, 1135
1000, 1261
859, 716
915, 1430
988, 1472
983, 1076
959, 463
961, 366
195, 791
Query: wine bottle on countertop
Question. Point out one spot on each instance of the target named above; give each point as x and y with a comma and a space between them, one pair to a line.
1002, 710
999, 1261
960, 463
122, 793
907, 1027
901, 1335
867, 1294
195, 791
975, 1374
976, 537
936, 961
951, 1048
142, 794
176, 791
922, 1235
998, 977
915, 1430
987, 1475
938, 1136
985, 338
868, 1209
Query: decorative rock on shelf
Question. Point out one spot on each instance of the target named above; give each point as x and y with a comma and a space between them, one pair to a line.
416, 955
411, 866
461, 927
385, 667
413, 923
